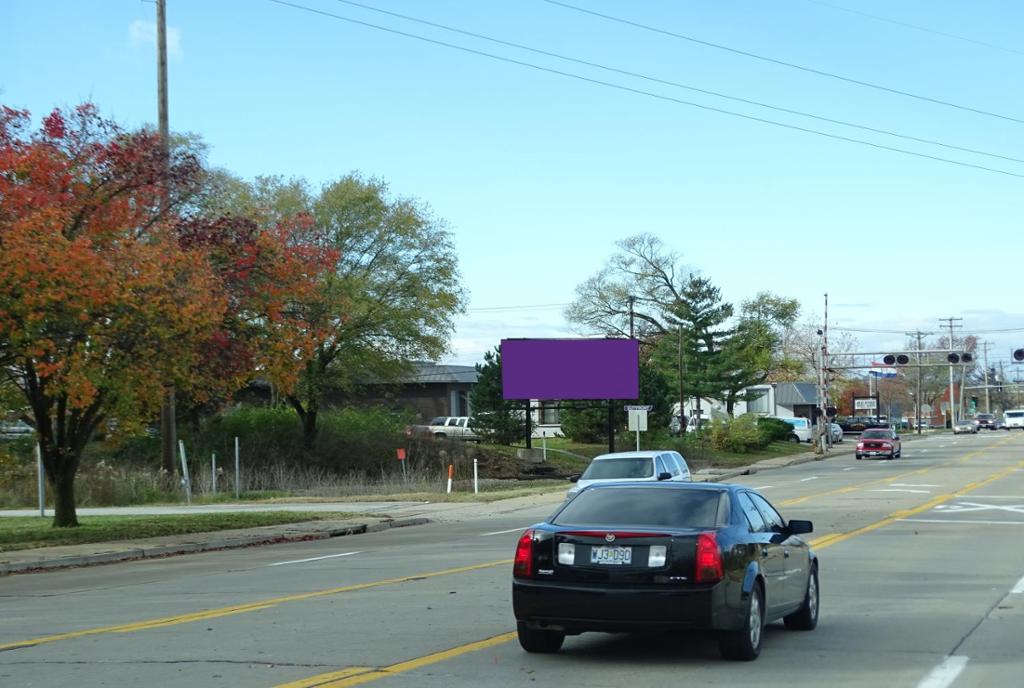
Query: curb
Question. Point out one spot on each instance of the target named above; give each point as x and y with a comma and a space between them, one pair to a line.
170, 550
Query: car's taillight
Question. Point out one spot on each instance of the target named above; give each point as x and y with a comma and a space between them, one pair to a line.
709, 559
523, 564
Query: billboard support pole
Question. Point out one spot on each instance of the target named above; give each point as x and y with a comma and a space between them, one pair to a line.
611, 429
529, 430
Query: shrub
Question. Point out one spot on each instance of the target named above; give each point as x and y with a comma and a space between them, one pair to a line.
774, 430
739, 435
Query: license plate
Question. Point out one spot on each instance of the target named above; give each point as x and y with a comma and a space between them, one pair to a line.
611, 555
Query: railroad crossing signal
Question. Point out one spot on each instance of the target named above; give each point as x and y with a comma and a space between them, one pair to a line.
898, 359
960, 357
1018, 355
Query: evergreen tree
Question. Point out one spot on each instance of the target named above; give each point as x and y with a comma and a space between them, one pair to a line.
499, 420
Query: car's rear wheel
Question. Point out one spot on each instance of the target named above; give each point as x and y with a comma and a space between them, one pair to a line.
745, 643
794, 439
440, 435
806, 618
539, 640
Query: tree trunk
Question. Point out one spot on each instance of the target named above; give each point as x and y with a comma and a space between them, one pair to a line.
62, 481
309, 428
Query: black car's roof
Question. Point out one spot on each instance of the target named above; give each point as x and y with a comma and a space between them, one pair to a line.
665, 485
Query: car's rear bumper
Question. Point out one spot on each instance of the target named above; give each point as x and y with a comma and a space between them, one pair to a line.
575, 608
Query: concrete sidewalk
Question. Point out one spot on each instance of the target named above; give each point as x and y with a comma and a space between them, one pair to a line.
386, 515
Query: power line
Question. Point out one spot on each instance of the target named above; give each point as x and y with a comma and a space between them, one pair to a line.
676, 84
791, 65
916, 27
650, 94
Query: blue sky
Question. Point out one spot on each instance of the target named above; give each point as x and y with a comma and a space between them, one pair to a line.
538, 175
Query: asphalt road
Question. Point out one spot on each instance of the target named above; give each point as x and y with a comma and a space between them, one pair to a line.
922, 561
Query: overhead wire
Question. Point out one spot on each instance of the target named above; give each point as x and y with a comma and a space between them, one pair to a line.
916, 27
637, 91
784, 63
676, 84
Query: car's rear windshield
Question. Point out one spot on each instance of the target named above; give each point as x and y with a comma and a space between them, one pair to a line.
631, 507
619, 469
985, 416
876, 435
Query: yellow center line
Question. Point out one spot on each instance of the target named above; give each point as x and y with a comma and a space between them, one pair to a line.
835, 538
242, 608
893, 478
356, 676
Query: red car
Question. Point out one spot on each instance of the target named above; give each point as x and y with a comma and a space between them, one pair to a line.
881, 442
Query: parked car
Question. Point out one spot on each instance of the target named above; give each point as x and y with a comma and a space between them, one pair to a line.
965, 426
446, 427
837, 432
1001, 425
1014, 418
985, 421
664, 556
802, 429
14, 429
881, 442
641, 466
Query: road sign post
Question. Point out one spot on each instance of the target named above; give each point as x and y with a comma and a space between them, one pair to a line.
638, 421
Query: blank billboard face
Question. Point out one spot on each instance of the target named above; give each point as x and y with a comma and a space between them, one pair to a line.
570, 368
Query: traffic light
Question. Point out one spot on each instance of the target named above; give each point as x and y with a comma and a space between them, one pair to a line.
974, 404
963, 357
1018, 355
895, 359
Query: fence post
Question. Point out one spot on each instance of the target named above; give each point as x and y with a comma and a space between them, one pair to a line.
185, 480
451, 472
41, 481
476, 479
213, 472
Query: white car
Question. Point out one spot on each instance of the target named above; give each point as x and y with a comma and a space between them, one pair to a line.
802, 430
635, 466
18, 428
837, 433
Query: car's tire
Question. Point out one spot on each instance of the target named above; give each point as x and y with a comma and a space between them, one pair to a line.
899, 454
539, 640
859, 457
440, 436
806, 618
745, 644
794, 439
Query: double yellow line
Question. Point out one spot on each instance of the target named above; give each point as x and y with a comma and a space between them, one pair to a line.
242, 608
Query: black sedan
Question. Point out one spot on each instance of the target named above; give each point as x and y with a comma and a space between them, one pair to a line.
664, 556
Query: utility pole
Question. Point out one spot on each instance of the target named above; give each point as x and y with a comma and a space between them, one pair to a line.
988, 400
952, 409
168, 422
917, 414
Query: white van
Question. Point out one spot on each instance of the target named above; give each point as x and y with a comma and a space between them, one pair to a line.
1014, 418
802, 429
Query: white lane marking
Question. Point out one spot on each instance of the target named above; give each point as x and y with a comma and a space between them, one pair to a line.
764, 487
915, 485
974, 506
502, 532
963, 520
1019, 588
904, 490
1021, 497
303, 561
813, 477
851, 468
944, 674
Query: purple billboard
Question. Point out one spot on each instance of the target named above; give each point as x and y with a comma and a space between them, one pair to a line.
570, 368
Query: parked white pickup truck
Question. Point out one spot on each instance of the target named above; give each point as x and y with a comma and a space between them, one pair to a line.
446, 427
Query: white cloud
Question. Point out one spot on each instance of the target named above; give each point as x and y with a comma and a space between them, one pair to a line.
143, 34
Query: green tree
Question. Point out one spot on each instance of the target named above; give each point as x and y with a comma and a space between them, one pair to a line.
500, 420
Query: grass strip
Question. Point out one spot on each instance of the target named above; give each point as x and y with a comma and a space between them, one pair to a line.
29, 532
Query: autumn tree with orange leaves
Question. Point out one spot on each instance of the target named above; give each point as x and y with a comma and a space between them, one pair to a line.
111, 286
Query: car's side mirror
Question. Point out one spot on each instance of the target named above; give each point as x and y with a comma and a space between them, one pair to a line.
573, 478
664, 476
796, 527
